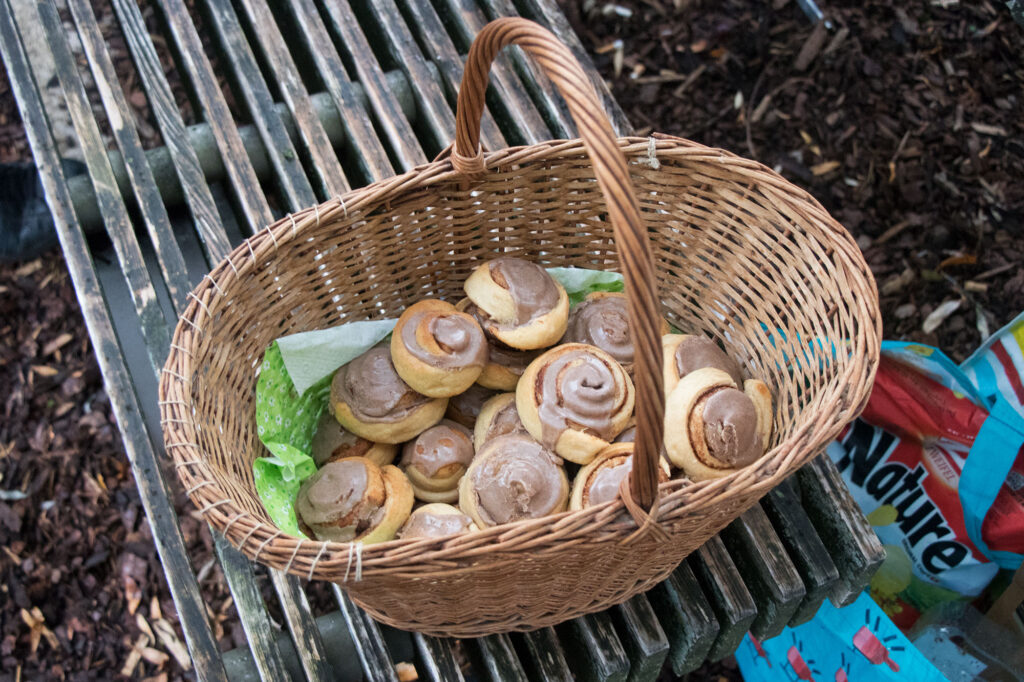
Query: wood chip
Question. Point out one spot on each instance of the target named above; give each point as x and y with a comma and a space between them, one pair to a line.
59, 342
825, 167
44, 370
938, 316
169, 638
963, 259
986, 129
812, 46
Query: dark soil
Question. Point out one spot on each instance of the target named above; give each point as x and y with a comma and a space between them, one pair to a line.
905, 123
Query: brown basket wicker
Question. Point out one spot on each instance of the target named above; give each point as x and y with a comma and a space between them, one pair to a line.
736, 251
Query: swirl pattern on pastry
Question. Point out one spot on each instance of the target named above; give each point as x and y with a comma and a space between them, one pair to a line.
436, 460
512, 478
369, 399
498, 417
331, 442
504, 365
599, 481
354, 500
438, 350
713, 428
435, 520
575, 399
685, 353
520, 304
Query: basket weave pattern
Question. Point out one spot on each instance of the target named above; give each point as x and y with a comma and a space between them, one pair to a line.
738, 254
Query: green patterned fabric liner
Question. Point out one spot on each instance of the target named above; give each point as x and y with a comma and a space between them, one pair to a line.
286, 419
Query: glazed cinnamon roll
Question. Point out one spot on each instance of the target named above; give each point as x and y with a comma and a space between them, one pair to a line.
685, 353
438, 350
369, 399
512, 478
498, 417
465, 407
436, 460
504, 365
602, 320
713, 428
436, 521
629, 434
522, 305
575, 399
354, 500
331, 442
599, 481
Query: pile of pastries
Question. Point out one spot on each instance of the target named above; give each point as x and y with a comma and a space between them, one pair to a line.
507, 406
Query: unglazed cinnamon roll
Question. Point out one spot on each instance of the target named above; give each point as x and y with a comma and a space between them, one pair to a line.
354, 500
436, 459
498, 417
685, 353
331, 442
512, 478
575, 399
713, 428
436, 520
465, 407
599, 481
522, 305
438, 350
602, 320
504, 365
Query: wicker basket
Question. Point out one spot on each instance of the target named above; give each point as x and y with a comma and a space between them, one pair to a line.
718, 244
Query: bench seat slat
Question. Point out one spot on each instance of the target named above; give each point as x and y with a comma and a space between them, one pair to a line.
686, 618
368, 640
302, 626
731, 601
593, 648
645, 642
543, 656
437, 658
496, 658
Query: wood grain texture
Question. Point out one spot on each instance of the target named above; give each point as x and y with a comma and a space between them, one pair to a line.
324, 167
437, 661
593, 648
841, 525
543, 656
686, 618
370, 646
172, 128
302, 627
643, 639
495, 659
732, 603
767, 571
122, 125
817, 570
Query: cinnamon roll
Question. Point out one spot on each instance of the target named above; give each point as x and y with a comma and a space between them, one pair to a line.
436, 460
713, 428
354, 500
504, 365
685, 353
512, 478
602, 320
599, 481
438, 350
629, 433
498, 417
436, 520
369, 399
575, 399
465, 407
331, 442
522, 305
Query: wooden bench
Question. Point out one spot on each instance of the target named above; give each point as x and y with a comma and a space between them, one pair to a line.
339, 94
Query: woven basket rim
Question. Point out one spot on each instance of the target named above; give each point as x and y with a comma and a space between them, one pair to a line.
240, 526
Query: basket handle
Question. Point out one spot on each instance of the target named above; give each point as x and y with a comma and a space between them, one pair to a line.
623, 212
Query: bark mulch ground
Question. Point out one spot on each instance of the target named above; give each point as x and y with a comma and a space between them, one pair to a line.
905, 121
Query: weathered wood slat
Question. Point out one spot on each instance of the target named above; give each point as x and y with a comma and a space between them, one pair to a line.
115, 215
548, 14
593, 649
172, 128
841, 525
122, 124
733, 606
215, 110
767, 571
433, 111
543, 656
465, 19
685, 617
388, 114
325, 167
370, 154
805, 548
309, 646
436, 658
496, 659
251, 611
369, 643
288, 169
437, 46
642, 637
